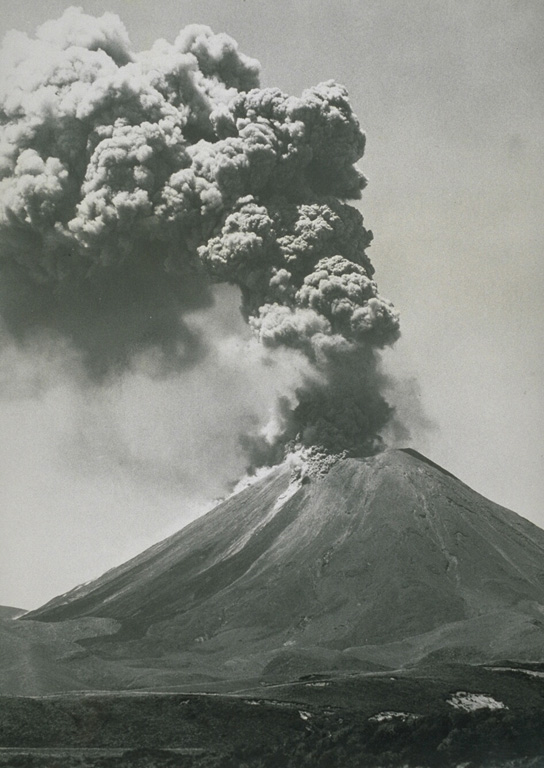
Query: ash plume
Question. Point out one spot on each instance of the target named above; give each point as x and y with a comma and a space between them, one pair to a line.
131, 182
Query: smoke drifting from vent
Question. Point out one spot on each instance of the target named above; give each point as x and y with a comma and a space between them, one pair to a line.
131, 182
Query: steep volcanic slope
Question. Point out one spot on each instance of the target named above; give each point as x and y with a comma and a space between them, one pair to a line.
185, 570
371, 555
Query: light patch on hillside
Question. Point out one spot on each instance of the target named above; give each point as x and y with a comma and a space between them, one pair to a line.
389, 716
469, 702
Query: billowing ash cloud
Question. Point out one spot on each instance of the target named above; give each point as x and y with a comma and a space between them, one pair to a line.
131, 182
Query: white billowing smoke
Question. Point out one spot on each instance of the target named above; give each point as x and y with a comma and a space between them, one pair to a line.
130, 183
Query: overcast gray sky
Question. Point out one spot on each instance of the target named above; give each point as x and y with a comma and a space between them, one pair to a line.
450, 95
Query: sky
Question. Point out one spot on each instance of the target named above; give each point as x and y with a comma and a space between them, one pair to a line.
450, 96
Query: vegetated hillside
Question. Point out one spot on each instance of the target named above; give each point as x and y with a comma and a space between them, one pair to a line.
385, 560
226, 732
134, 720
